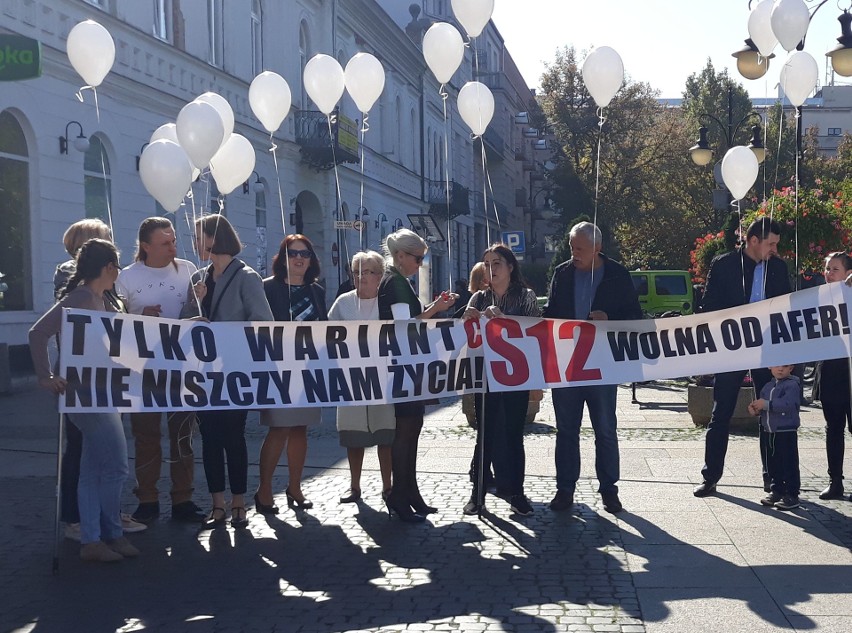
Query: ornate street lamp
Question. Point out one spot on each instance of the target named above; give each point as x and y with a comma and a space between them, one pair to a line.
701, 153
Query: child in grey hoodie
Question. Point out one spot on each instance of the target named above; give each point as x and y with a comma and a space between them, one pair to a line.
778, 408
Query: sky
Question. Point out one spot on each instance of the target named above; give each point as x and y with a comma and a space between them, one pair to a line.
661, 42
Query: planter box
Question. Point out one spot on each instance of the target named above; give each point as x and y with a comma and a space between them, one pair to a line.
700, 406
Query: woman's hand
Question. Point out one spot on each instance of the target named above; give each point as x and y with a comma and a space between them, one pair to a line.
471, 313
200, 290
54, 384
492, 312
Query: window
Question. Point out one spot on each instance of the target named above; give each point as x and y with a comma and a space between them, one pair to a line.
216, 30
304, 44
103, 4
15, 252
96, 180
256, 38
670, 285
163, 20
835, 131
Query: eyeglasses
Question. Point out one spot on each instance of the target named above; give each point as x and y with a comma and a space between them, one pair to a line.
364, 273
417, 258
303, 253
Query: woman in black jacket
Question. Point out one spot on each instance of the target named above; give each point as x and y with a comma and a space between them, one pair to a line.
293, 295
404, 253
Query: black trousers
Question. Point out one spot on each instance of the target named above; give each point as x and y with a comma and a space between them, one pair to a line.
783, 463
726, 389
838, 417
223, 438
503, 442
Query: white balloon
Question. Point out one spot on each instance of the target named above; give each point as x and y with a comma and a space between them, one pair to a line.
473, 15
167, 131
739, 170
476, 106
324, 82
760, 28
91, 51
365, 80
270, 99
789, 19
199, 130
799, 77
603, 74
443, 50
166, 172
233, 163
224, 109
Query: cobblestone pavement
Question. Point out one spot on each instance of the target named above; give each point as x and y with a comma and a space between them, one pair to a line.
348, 568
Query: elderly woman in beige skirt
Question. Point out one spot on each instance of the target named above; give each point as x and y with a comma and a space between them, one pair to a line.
371, 425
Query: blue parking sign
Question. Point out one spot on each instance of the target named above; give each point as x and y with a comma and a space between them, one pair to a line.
516, 241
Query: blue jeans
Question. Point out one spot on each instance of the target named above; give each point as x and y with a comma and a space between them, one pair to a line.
568, 403
726, 390
103, 471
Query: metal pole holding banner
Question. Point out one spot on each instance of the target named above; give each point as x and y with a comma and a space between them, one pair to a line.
58, 513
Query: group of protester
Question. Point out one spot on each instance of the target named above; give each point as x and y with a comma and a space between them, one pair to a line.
590, 286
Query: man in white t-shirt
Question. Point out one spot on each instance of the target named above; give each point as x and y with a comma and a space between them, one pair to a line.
157, 284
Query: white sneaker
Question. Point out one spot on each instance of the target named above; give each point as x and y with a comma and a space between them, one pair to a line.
72, 531
128, 525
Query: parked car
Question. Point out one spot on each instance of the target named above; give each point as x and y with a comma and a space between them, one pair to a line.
664, 291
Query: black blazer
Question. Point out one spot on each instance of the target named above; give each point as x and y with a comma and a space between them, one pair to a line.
726, 287
279, 299
616, 295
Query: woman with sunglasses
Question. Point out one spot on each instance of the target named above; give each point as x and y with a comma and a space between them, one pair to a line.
404, 253
293, 295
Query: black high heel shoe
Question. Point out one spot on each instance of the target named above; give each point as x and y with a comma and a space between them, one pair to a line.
354, 496
419, 506
262, 508
295, 504
213, 521
238, 517
402, 510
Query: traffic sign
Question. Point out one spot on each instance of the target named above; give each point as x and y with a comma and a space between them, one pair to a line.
355, 225
515, 240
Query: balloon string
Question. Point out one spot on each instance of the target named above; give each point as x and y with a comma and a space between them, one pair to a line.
364, 128
796, 199
107, 190
447, 180
484, 193
273, 147
601, 121
339, 210
97, 107
442, 91
490, 187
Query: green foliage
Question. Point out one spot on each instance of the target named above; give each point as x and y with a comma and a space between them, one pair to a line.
563, 252
536, 275
706, 248
821, 221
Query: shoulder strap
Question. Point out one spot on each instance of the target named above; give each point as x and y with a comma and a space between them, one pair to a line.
214, 306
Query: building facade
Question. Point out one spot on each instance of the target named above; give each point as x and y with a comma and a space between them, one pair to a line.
168, 52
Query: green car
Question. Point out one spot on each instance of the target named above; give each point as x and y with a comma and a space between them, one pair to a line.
662, 291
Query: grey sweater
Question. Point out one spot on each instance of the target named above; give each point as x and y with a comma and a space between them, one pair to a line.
237, 296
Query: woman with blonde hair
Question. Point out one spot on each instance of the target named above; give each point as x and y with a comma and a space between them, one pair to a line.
404, 253
371, 425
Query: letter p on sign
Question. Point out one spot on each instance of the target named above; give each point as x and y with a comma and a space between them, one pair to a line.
515, 240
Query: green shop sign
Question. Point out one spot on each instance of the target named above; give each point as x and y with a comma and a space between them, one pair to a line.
20, 57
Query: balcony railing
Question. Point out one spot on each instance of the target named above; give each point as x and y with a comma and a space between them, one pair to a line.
317, 148
436, 196
494, 145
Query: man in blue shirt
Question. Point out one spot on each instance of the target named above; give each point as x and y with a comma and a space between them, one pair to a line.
589, 286
747, 274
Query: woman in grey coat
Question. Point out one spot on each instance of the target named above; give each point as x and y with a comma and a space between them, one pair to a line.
227, 290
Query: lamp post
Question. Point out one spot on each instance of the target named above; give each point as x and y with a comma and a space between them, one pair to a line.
702, 153
749, 63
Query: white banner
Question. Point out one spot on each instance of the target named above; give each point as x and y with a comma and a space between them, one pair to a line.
131, 363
